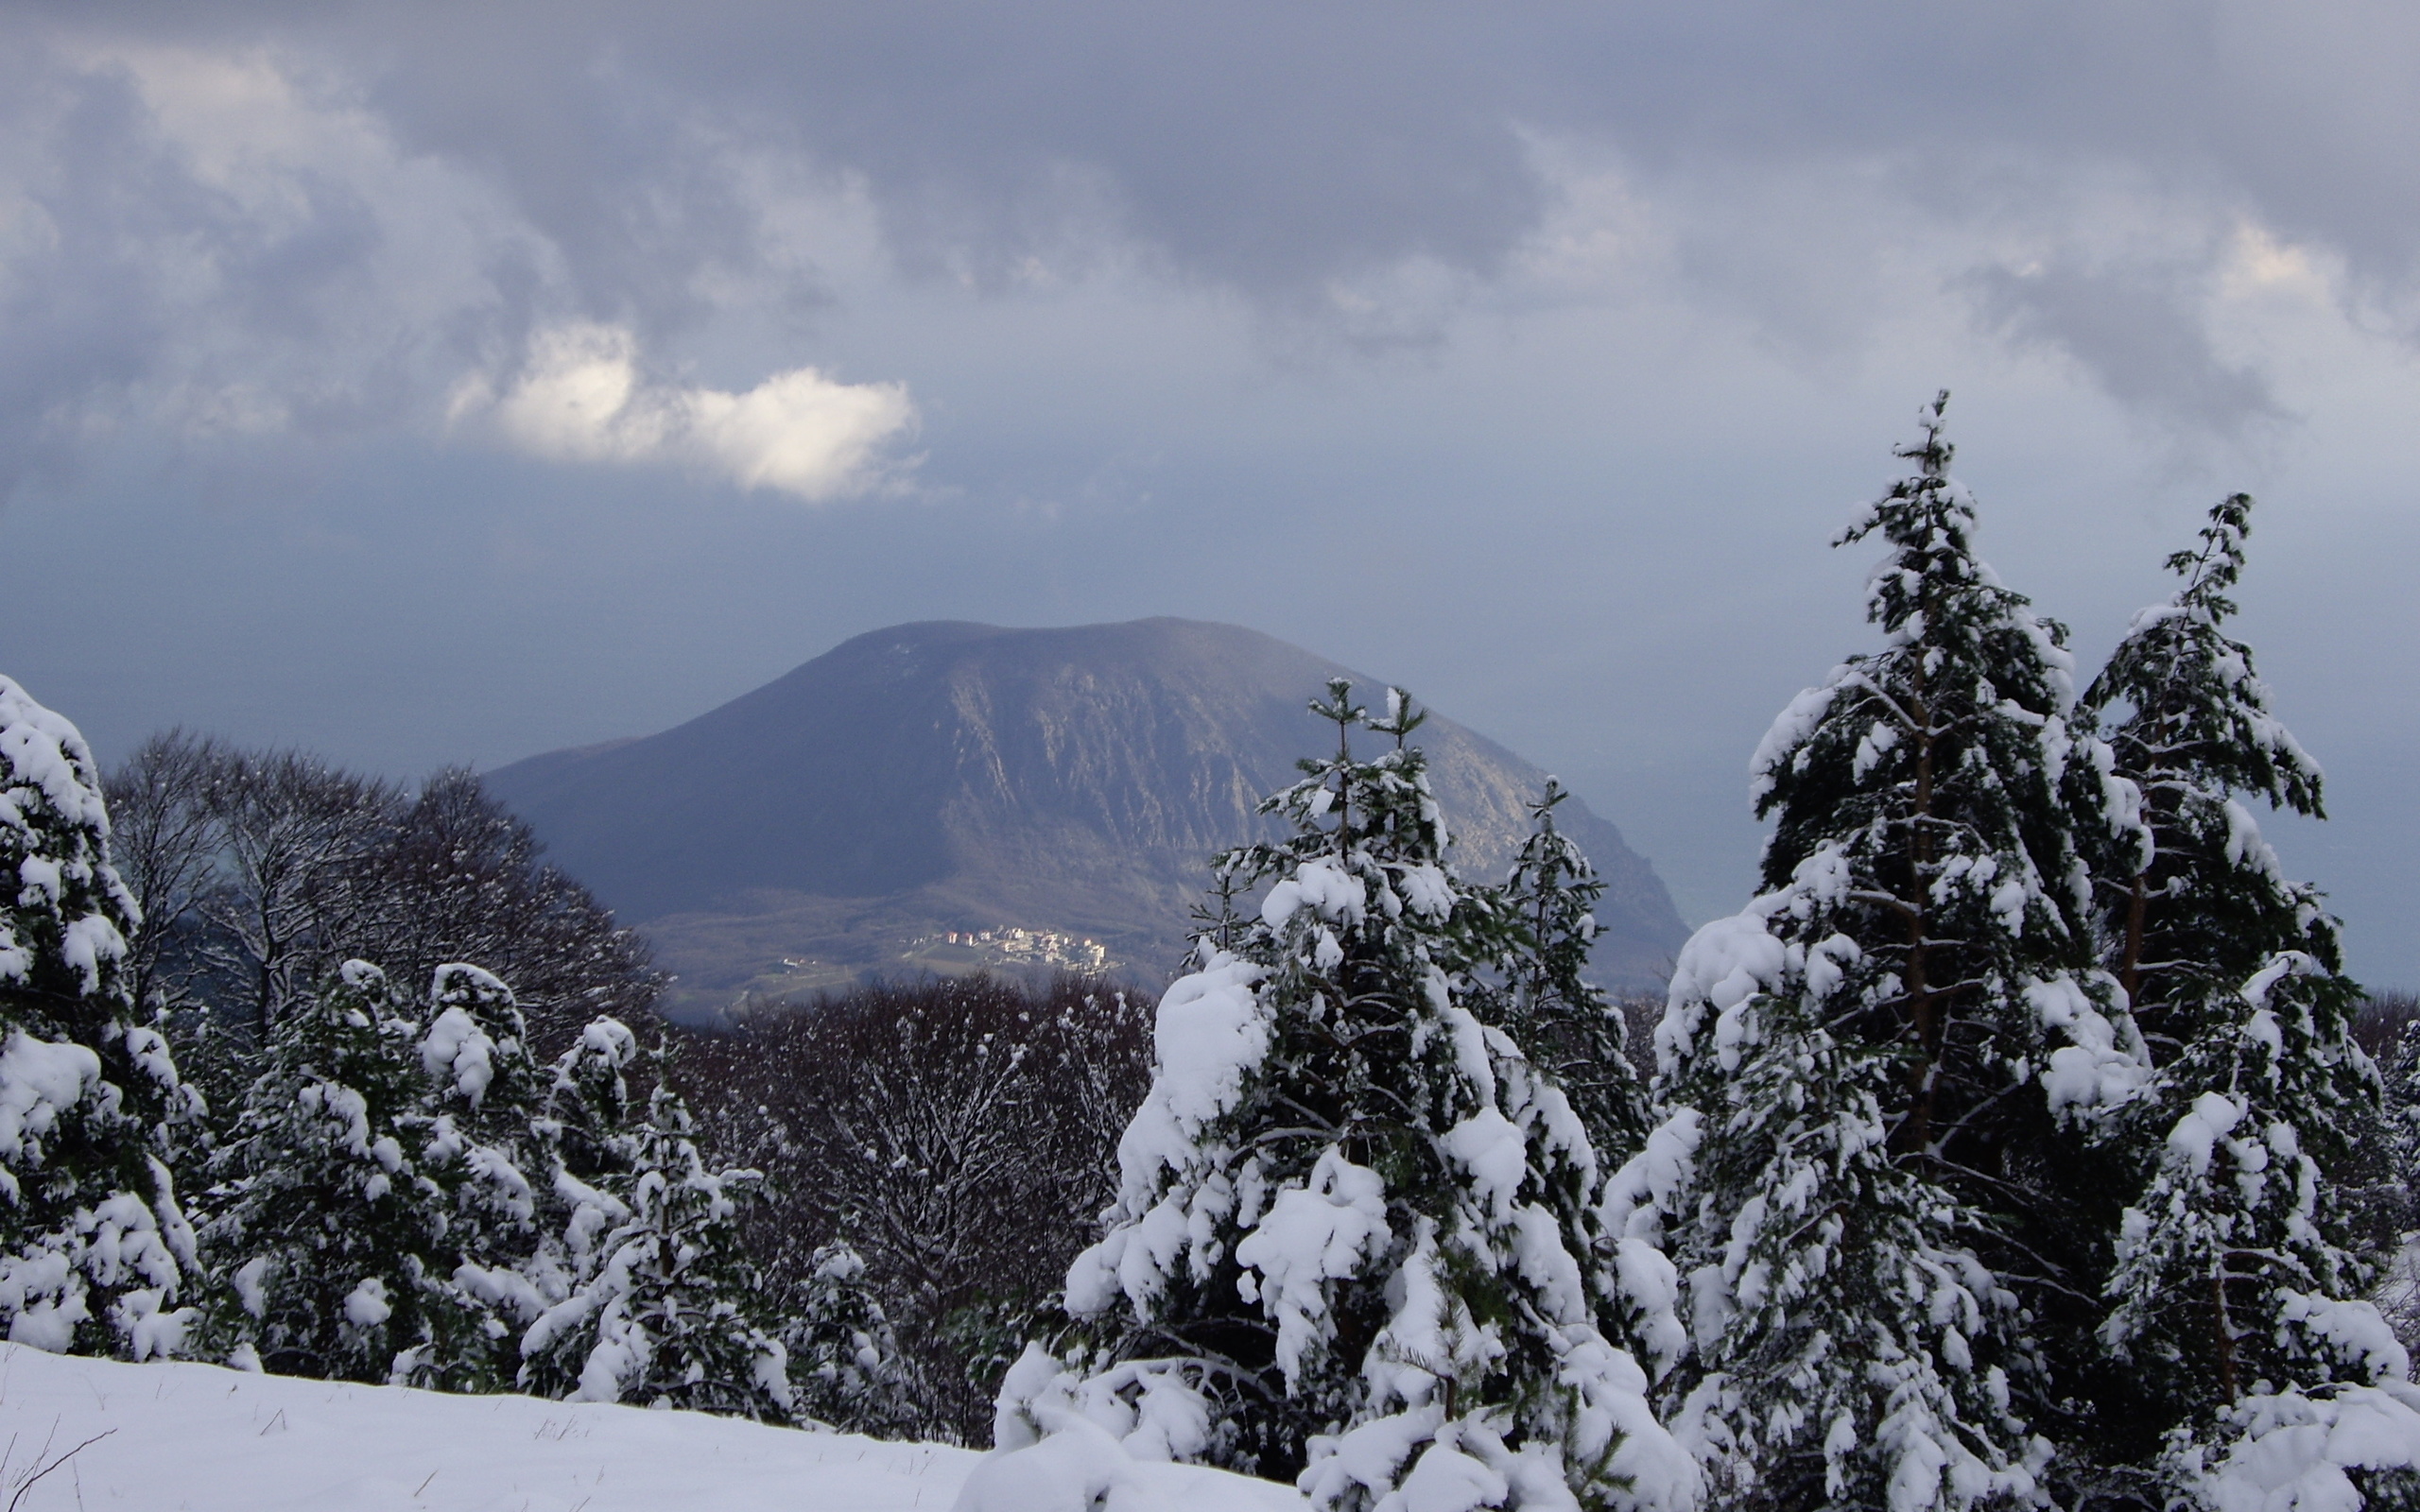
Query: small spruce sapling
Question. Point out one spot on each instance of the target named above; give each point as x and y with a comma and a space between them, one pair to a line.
1560, 1020
671, 1315
480, 1141
844, 1358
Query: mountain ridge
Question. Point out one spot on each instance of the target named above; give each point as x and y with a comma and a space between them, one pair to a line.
946, 774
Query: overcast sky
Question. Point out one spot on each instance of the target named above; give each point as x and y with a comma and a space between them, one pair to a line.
447, 383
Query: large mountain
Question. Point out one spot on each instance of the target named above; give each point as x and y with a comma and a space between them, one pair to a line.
952, 777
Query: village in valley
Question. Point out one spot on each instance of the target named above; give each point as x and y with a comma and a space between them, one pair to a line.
954, 951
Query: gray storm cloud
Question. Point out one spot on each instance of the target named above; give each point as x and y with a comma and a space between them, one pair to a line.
609, 164
2137, 333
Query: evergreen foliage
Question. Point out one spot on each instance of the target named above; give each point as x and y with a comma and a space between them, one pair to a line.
1996, 1155
2399, 1293
415, 1202
327, 1219
844, 1361
1852, 1350
2195, 902
401, 1196
1882, 1217
1563, 1022
95, 1253
376, 1213
2238, 1272
483, 1144
2233, 1271
1356, 1238
671, 1316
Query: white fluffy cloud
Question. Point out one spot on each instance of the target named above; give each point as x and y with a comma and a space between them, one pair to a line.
582, 398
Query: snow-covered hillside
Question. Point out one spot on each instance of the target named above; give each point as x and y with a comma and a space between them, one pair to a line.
198, 1438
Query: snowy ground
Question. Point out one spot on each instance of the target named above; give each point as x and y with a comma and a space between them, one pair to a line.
195, 1436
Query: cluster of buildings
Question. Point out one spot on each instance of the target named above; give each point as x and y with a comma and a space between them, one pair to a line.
1029, 947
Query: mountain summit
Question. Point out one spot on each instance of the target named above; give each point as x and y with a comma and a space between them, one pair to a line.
948, 777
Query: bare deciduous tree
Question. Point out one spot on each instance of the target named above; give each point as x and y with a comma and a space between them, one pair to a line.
259, 872
960, 1134
296, 846
166, 850
459, 879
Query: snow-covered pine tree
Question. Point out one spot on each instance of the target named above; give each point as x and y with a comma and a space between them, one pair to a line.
1851, 1348
481, 1144
2238, 1273
672, 1312
2237, 1280
2399, 1291
1564, 1026
325, 1220
595, 1141
95, 1253
844, 1360
1560, 1020
1354, 1238
1860, 1173
588, 1127
586, 1145
2204, 905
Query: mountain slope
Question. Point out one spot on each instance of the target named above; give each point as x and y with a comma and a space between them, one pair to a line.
950, 776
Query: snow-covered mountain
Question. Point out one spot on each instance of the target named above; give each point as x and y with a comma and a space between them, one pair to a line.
948, 777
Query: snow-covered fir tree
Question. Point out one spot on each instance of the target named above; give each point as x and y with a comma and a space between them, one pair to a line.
844, 1361
483, 1143
1562, 1021
2237, 1272
587, 1134
2399, 1289
2236, 1276
384, 1213
327, 1220
673, 1313
2204, 903
1852, 1350
95, 1253
1354, 1237
1863, 1179
594, 1283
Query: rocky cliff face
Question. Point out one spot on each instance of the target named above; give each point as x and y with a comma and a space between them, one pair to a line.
951, 777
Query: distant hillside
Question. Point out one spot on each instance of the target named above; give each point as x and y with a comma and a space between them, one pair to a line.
948, 777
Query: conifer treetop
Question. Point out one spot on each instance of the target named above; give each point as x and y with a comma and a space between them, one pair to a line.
2203, 900
1562, 1021
1933, 589
1920, 781
95, 1252
1356, 1234
1862, 1075
66, 915
2196, 702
